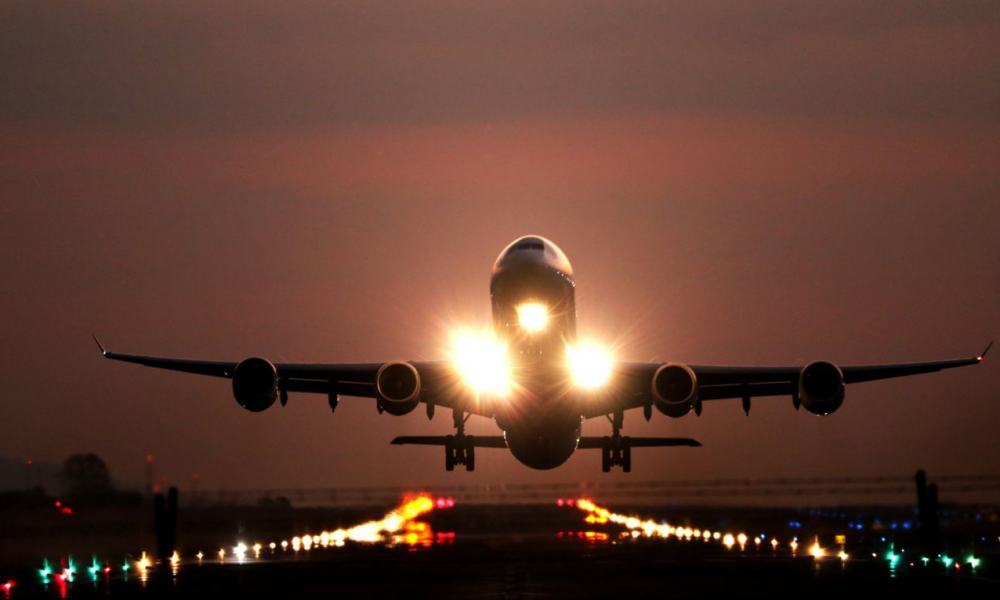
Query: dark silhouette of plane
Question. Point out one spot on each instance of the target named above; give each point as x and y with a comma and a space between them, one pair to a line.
532, 375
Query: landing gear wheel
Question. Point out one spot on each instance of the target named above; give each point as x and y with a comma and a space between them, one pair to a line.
449, 453
616, 451
470, 457
606, 455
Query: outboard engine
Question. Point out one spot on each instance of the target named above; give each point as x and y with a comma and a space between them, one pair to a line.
255, 384
821, 387
675, 389
398, 387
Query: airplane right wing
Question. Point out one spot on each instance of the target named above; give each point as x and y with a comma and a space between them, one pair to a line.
635, 383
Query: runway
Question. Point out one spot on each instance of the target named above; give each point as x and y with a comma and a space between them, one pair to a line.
434, 547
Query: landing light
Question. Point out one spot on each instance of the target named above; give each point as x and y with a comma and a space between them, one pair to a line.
589, 365
481, 360
533, 316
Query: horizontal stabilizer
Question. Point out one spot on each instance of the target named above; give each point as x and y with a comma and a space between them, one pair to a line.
478, 441
589, 442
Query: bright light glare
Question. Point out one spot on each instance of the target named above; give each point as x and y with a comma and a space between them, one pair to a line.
532, 316
589, 365
481, 360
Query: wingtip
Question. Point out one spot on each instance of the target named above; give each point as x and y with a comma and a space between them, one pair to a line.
100, 346
982, 354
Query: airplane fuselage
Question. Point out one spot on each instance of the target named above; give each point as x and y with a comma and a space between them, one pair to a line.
538, 418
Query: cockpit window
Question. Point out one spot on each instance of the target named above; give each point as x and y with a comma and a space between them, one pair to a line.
530, 246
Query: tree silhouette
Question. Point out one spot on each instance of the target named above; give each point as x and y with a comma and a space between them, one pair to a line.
86, 475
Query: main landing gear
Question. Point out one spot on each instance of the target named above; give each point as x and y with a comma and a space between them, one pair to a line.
458, 448
616, 451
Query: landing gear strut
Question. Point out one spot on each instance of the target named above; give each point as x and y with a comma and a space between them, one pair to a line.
615, 449
459, 448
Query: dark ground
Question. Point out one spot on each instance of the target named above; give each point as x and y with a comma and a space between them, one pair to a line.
533, 568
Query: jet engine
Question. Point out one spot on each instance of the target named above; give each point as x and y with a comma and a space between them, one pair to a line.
821, 387
675, 389
255, 384
398, 387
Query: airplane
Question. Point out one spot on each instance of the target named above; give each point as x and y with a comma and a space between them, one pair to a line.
532, 376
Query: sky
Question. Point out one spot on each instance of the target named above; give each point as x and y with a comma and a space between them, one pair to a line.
734, 183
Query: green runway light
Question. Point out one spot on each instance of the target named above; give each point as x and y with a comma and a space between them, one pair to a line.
925, 560
94, 569
892, 557
973, 561
947, 561
45, 572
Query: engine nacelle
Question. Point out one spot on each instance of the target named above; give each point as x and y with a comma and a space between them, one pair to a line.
398, 387
255, 384
675, 389
821, 387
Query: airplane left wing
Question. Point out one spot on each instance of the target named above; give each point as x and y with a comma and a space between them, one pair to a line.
332, 379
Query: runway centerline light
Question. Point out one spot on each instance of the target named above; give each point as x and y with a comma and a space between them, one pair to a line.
816, 550
144, 562
590, 365
532, 316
